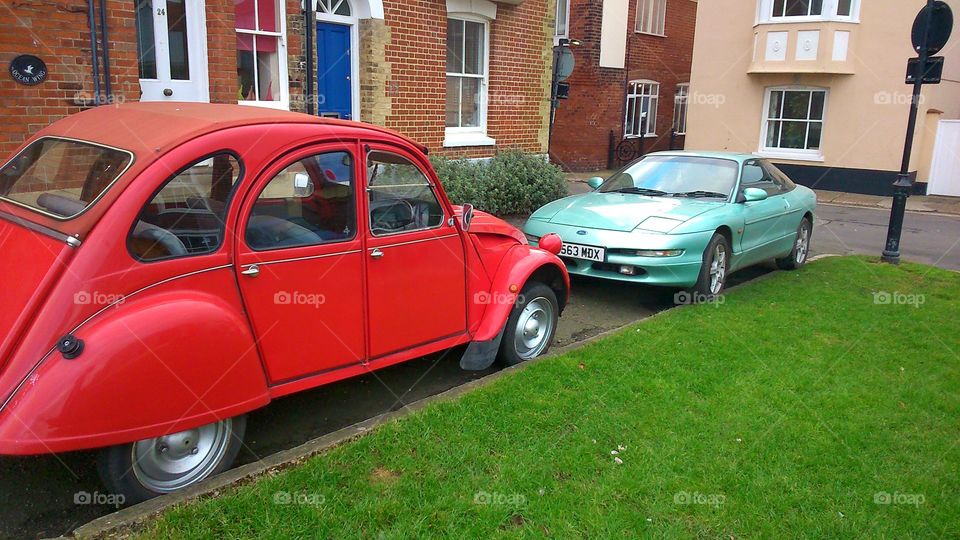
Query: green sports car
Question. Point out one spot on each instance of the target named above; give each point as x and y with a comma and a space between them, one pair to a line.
682, 219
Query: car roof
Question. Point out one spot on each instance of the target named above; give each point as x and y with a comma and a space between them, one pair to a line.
172, 123
736, 156
152, 130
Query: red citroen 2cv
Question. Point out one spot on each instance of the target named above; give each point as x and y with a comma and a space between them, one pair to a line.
171, 267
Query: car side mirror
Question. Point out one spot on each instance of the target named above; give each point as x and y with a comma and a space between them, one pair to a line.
754, 194
595, 182
466, 218
302, 185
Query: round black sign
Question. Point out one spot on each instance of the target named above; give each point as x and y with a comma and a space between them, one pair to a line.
941, 25
28, 69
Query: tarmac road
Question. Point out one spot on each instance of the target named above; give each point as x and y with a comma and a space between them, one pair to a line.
37, 494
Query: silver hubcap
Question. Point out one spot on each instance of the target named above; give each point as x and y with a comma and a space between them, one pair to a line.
718, 269
534, 328
173, 462
803, 244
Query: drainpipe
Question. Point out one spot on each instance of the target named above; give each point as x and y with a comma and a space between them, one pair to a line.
93, 52
106, 51
310, 22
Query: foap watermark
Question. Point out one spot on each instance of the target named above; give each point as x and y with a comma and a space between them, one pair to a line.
909, 499
494, 498
97, 298
298, 498
700, 98
497, 298
691, 298
85, 99
895, 98
296, 298
85, 498
895, 298
709, 499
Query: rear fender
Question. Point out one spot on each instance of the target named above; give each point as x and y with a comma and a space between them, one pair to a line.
521, 264
154, 364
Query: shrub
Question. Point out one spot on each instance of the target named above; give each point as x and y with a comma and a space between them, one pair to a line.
511, 183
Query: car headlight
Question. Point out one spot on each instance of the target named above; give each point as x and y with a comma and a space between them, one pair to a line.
659, 252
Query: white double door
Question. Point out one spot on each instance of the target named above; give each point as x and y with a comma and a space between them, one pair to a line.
172, 50
945, 168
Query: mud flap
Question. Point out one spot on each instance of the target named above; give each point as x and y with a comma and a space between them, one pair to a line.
480, 355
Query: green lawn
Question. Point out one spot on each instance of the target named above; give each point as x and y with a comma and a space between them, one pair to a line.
799, 407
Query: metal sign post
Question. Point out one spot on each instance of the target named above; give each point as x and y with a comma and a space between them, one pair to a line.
931, 31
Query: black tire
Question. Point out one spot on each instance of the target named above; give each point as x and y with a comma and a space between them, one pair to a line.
511, 352
801, 247
117, 472
705, 287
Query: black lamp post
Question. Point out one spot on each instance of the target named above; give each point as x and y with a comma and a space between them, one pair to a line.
930, 33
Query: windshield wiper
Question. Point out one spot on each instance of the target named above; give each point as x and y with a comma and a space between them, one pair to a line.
696, 194
643, 191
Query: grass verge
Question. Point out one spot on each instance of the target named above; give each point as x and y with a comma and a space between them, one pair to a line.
820, 403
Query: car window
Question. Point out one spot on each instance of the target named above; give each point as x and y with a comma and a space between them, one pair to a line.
755, 176
61, 177
310, 202
186, 216
778, 177
401, 197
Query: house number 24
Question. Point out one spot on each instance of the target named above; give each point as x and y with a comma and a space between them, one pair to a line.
161, 11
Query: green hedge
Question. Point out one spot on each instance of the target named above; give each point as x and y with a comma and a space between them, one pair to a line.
510, 183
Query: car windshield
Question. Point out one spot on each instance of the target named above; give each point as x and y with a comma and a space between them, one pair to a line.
61, 177
686, 176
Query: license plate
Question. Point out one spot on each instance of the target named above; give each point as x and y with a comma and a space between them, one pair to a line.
576, 251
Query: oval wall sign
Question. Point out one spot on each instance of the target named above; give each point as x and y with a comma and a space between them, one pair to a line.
28, 69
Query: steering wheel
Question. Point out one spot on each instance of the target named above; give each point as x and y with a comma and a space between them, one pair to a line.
393, 225
159, 237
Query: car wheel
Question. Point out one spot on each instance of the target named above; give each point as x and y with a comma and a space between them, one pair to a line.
146, 469
801, 248
716, 265
531, 325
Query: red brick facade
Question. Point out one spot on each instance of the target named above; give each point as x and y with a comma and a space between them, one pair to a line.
402, 84
597, 103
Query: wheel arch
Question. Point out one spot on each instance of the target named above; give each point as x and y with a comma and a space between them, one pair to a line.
158, 363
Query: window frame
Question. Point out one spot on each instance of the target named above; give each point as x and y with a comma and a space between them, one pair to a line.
471, 136
828, 12
226, 215
430, 184
793, 153
92, 203
631, 96
557, 35
681, 101
659, 26
281, 35
353, 188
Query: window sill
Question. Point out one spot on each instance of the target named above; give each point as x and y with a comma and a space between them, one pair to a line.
649, 33
455, 140
647, 136
792, 156
806, 19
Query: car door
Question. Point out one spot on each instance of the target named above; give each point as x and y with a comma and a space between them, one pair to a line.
300, 263
416, 273
763, 221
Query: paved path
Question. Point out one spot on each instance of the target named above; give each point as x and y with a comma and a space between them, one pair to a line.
37, 494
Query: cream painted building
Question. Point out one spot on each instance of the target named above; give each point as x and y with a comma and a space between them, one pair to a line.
818, 86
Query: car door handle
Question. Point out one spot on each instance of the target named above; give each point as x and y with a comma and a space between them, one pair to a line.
376, 253
252, 271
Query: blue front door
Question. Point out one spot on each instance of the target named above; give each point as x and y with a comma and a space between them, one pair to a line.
333, 71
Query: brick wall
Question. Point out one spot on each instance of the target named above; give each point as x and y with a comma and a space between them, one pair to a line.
402, 64
58, 33
580, 140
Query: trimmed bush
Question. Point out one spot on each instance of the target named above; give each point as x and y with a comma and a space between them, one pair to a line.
511, 183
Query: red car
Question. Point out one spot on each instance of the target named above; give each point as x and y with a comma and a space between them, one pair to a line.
171, 267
